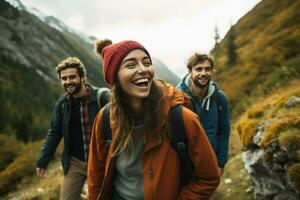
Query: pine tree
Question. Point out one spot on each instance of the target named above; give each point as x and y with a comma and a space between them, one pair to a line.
231, 48
217, 35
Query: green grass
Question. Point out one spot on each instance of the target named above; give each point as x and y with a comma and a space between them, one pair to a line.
10, 149
20, 173
240, 187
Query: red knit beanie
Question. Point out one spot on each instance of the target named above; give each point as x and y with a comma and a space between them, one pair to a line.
113, 54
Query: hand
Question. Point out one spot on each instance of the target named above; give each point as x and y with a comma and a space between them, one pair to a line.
40, 172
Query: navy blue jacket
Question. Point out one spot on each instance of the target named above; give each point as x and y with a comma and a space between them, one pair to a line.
59, 128
214, 118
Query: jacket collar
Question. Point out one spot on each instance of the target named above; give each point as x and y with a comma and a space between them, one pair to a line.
212, 88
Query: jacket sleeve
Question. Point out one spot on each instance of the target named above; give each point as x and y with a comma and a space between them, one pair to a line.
203, 159
96, 161
53, 138
223, 132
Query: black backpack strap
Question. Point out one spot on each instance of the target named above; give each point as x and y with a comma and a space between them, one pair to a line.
217, 98
179, 143
105, 123
103, 95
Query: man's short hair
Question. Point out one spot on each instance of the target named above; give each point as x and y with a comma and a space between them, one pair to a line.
71, 62
198, 58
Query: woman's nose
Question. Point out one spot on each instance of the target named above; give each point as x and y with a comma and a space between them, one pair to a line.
142, 68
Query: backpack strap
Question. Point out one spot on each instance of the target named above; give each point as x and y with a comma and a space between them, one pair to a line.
217, 98
103, 95
105, 123
179, 143
218, 101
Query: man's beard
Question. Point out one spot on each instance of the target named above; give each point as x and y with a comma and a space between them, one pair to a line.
76, 90
198, 84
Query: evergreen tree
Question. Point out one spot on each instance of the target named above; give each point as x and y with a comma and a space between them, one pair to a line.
217, 35
215, 50
231, 48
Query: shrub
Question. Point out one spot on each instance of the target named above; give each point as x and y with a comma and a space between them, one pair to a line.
290, 141
23, 166
255, 112
294, 176
246, 130
10, 149
279, 103
284, 123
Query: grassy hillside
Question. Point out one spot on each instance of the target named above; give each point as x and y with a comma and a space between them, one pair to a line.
267, 42
25, 106
286, 119
29, 50
265, 75
17, 170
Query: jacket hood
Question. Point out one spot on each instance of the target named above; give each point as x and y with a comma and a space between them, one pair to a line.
212, 87
173, 97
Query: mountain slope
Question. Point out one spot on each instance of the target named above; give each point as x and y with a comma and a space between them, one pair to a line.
265, 76
267, 41
30, 47
163, 72
32, 43
29, 50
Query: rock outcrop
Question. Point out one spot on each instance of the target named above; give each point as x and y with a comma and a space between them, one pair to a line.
271, 156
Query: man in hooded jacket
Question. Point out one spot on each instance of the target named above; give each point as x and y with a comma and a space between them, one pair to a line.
210, 103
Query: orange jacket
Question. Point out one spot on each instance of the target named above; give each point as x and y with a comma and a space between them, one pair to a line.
161, 164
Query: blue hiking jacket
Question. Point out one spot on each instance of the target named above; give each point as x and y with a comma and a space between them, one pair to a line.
214, 118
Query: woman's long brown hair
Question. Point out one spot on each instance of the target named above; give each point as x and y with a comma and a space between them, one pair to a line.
122, 114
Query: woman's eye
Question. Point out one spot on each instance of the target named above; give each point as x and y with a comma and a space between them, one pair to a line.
130, 65
147, 64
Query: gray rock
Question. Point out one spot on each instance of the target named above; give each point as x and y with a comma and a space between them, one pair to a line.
269, 174
260, 131
287, 195
280, 157
292, 102
272, 148
267, 182
278, 167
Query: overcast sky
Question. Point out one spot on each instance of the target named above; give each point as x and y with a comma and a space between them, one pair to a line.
170, 29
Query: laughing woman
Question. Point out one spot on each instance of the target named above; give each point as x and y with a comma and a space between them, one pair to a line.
140, 162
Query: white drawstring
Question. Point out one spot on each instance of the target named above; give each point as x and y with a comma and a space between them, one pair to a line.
208, 102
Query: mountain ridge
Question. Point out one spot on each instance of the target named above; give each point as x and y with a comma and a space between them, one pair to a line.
267, 41
30, 47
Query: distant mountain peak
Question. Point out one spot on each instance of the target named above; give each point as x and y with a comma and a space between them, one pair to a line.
36, 12
17, 4
57, 24
51, 21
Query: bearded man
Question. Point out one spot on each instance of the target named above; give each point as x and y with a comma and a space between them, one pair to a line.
210, 103
72, 121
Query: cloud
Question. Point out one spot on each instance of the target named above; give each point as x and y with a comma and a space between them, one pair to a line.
171, 29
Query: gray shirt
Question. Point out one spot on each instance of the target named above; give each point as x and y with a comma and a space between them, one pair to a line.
128, 179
